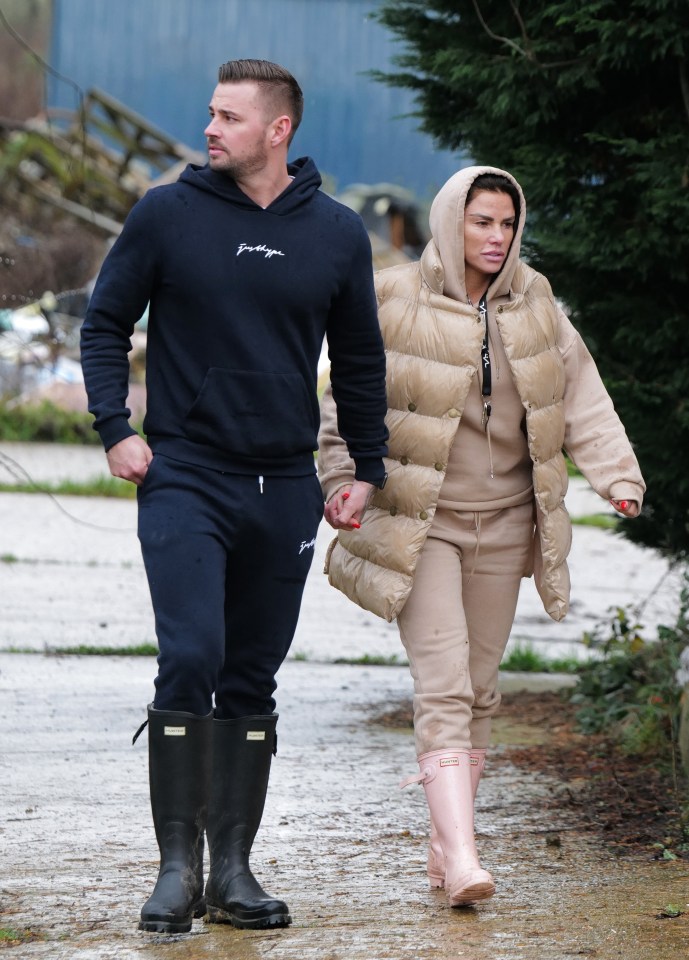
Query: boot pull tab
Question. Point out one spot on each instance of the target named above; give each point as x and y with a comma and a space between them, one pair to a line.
139, 732
427, 774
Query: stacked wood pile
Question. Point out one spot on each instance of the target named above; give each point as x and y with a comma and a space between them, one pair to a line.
93, 163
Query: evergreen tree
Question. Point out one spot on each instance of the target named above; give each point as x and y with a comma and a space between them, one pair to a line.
586, 102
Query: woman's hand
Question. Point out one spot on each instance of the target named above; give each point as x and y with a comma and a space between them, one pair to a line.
346, 508
628, 508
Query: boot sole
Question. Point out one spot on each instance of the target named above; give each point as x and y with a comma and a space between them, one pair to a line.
169, 926
472, 894
163, 926
218, 915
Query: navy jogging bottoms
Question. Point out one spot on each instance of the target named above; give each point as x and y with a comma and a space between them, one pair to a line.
226, 556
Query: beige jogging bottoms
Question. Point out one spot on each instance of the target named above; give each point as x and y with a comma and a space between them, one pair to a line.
457, 621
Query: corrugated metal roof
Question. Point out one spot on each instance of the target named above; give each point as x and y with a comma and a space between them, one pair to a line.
160, 57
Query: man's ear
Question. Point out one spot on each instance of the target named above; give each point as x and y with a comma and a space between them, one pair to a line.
280, 130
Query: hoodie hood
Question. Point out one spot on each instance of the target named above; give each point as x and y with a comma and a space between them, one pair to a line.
306, 181
447, 229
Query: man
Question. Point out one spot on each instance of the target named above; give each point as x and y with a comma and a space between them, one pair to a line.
246, 266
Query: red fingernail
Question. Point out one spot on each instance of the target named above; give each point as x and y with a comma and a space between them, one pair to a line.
624, 504
357, 526
345, 496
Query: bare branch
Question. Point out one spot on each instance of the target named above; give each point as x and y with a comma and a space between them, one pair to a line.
526, 50
506, 40
518, 18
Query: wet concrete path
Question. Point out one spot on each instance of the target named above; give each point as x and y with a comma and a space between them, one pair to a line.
340, 842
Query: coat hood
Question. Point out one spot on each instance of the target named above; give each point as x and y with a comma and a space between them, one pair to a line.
306, 181
447, 229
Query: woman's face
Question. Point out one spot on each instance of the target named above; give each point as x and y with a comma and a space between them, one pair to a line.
488, 232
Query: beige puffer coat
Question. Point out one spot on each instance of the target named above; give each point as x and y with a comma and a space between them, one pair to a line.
433, 345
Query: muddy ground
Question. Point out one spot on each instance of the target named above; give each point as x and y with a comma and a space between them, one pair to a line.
340, 842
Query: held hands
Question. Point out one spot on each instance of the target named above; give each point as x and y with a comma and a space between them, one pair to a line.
628, 508
345, 510
129, 459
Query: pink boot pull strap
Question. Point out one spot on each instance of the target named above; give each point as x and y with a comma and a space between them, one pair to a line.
429, 764
414, 778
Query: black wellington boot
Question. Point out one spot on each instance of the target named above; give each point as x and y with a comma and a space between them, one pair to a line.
179, 764
242, 751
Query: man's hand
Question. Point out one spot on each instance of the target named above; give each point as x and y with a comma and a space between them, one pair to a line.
129, 459
345, 510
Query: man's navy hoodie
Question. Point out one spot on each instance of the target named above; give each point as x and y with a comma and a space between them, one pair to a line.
240, 299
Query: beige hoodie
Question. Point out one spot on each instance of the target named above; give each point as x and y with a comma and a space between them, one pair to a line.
489, 467
446, 220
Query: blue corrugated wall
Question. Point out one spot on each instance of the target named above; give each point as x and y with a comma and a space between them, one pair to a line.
160, 57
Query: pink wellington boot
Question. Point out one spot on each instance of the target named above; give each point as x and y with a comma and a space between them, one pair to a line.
446, 777
435, 865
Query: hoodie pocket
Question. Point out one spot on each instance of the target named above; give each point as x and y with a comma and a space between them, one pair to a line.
253, 414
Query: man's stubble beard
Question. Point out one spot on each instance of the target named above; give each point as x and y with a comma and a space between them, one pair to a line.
240, 169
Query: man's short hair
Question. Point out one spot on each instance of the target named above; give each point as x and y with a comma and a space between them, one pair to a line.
281, 91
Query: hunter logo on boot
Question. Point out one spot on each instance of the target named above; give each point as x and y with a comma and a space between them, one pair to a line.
255, 734
175, 731
449, 762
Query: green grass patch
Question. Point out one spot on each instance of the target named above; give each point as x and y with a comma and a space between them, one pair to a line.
83, 650
10, 936
522, 658
372, 661
86, 650
97, 487
604, 521
8, 558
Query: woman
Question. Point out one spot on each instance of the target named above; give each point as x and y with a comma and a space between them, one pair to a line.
488, 382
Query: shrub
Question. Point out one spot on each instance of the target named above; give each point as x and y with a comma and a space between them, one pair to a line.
629, 688
46, 422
